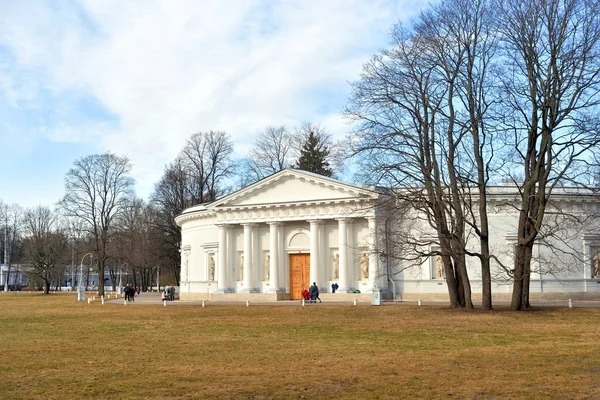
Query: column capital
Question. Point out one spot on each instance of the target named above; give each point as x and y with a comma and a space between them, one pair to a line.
276, 223
249, 224
315, 221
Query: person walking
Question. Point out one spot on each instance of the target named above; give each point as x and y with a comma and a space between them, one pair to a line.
314, 293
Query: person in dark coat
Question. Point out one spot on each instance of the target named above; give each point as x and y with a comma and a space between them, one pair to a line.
314, 293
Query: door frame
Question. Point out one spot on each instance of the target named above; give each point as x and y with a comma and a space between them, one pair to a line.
306, 269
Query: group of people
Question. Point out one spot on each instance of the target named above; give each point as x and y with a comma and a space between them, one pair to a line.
130, 292
312, 294
168, 293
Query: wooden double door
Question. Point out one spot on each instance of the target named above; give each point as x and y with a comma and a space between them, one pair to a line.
299, 275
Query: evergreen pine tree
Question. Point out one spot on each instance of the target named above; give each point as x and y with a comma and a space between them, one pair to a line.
313, 156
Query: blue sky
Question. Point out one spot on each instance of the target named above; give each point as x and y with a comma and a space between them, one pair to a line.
139, 77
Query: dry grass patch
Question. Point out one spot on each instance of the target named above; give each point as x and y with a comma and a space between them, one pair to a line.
56, 348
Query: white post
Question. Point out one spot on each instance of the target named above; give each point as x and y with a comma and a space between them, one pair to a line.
247, 303
570, 303
355, 301
164, 303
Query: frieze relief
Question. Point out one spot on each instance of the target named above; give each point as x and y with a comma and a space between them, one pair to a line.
292, 212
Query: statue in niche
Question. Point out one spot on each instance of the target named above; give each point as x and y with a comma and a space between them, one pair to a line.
186, 259
336, 266
268, 267
241, 277
364, 266
596, 260
211, 268
439, 267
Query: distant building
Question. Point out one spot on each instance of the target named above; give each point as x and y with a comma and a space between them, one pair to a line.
14, 276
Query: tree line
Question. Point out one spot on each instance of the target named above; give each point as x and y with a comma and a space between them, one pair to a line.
101, 215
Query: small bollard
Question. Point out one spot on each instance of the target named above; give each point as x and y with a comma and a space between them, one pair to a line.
570, 304
124, 302
102, 298
202, 303
419, 302
355, 301
164, 303
89, 300
109, 296
303, 302
247, 303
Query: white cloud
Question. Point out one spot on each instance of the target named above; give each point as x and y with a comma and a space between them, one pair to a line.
166, 69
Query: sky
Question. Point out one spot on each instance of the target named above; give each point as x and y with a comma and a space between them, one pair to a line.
137, 78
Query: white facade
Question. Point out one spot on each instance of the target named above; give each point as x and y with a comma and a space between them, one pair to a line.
271, 239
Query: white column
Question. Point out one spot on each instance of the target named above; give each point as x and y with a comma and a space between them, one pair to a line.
343, 254
274, 252
375, 275
314, 251
231, 259
247, 279
222, 269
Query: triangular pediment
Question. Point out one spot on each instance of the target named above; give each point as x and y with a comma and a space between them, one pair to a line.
293, 186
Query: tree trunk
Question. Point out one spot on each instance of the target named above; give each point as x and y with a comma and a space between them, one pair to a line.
466, 285
451, 282
486, 277
101, 278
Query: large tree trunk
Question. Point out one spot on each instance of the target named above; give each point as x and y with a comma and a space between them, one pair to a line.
466, 285
522, 276
486, 277
451, 282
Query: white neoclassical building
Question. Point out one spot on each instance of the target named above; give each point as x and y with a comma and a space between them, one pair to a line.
272, 239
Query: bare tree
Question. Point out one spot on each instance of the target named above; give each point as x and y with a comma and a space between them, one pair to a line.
207, 160
45, 245
10, 235
168, 200
134, 246
551, 84
464, 45
270, 153
404, 110
97, 189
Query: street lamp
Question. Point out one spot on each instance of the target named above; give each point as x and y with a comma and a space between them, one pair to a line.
80, 292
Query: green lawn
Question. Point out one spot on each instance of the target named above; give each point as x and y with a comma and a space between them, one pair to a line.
56, 348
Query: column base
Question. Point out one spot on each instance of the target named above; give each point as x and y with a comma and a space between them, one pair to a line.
250, 290
225, 290
279, 290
